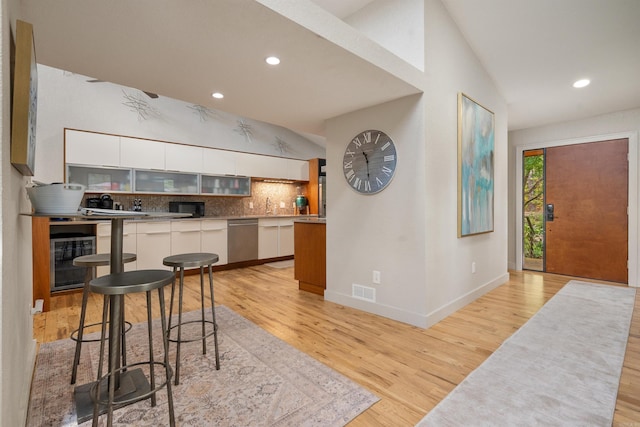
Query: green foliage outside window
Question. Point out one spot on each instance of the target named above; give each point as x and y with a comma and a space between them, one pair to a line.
533, 206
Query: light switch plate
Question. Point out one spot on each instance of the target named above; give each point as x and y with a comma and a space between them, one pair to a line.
376, 277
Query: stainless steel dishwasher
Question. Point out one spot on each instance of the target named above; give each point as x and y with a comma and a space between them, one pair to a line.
242, 239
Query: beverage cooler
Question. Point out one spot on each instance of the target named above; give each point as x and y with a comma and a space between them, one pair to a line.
64, 248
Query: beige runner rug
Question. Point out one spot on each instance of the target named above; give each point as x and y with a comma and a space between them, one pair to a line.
562, 368
262, 381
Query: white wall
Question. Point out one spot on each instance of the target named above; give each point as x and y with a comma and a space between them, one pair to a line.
17, 348
68, 100
452, 67
384, 231
396, 25
409, 231
591, 129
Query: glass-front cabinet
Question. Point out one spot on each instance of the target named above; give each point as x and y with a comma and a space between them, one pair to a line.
226, 185
100, 179
165, 182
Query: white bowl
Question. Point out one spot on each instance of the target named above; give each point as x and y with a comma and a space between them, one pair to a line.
56, 198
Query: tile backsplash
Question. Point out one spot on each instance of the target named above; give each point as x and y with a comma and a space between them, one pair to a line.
256, 204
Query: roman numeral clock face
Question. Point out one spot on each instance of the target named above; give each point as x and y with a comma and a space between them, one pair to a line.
369, 162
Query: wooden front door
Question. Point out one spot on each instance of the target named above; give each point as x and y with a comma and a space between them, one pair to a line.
587, 184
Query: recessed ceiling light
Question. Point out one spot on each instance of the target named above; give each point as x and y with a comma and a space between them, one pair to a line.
272, 60
581, 83
217, 95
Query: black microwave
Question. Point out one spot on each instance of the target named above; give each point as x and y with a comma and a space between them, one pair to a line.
196, 209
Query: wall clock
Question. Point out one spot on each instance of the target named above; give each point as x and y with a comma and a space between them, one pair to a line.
369, 161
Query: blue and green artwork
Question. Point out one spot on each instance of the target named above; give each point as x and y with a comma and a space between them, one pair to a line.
475, 167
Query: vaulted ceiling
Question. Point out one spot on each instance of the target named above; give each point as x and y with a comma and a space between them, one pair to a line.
533, 50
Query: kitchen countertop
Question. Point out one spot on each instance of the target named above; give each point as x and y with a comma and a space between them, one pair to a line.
168, 216
312, 219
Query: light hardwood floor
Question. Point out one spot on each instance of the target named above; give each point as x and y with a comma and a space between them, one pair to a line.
409, 368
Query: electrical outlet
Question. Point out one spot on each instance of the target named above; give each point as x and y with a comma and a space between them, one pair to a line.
282, 205
473, 267
376, 277
250, 205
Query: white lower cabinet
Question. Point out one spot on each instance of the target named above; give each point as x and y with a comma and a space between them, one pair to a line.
285, 237
275, 237
153, 244
213, 238
103, 244
267, 238
185, 236
154, 240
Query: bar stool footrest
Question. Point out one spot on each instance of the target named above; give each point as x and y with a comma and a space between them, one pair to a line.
198, 338
74, 334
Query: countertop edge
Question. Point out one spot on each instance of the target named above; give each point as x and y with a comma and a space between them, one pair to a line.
166, 216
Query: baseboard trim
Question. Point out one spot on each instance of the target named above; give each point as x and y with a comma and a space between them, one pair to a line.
416, 319
437, 315
25, 391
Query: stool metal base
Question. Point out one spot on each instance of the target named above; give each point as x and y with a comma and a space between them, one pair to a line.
133, 383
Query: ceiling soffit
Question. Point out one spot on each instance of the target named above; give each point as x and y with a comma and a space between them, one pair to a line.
186, 53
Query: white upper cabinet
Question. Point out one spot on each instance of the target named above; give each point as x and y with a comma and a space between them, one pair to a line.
90, 148
298, 169
183, 158
248, 165
276, 167
218, 162
260, 166
141, 153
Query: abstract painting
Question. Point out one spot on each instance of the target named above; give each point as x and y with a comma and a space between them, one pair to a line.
25, 101
476, 132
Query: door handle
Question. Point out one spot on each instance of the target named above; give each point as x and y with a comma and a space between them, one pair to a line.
549, 212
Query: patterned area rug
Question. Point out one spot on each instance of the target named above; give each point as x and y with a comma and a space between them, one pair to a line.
562, 368
262, 381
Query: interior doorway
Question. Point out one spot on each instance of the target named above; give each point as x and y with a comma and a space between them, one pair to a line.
575, 210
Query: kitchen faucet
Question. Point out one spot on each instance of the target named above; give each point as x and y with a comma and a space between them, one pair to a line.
268, 207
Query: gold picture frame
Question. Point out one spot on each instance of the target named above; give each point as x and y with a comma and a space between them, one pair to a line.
25, 101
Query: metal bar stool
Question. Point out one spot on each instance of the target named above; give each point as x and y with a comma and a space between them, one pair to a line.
130, 385
181, 262
91, 262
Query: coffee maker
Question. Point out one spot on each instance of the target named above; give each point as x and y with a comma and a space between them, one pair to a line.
103, 202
